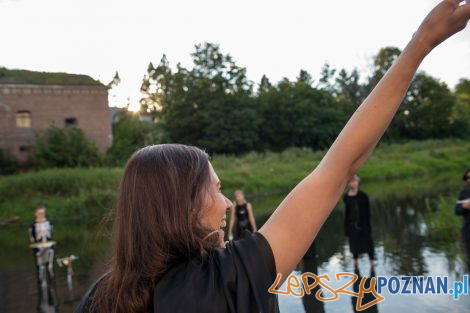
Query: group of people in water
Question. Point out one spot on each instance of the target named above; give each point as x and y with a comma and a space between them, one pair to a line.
357, 225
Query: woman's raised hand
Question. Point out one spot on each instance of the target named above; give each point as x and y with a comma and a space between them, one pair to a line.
446, 19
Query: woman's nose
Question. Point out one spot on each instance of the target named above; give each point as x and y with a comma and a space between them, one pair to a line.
228, 203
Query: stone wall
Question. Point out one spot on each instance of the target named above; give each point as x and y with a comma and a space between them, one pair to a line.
52, 105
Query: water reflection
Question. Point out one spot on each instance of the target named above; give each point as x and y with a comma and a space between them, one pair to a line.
402, 248
310, 264
368, 297
398, 227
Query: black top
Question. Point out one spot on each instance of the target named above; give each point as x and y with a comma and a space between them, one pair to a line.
357, 213
459, 210
241, 212
233, 280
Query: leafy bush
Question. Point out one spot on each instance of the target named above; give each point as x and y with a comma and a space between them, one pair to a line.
64, 147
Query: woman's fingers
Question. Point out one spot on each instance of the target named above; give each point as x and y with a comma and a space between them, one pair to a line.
446, 19
463, 12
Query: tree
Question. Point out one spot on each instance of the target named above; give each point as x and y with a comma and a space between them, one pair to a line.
326, 78
296, 114
264, 85
427, 111
131, 134
461, 112
348, 88
156, 87
199, 104
304, 78
383, 60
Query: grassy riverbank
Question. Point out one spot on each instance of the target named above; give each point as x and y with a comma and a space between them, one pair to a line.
398, 170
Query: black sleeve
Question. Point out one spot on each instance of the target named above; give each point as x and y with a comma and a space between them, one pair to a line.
459, 209
255, 273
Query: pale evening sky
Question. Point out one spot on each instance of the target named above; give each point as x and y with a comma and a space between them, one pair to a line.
276, 38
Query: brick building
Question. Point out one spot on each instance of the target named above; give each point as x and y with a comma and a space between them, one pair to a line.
32, 104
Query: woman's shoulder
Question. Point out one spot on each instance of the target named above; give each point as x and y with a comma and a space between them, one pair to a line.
243, 265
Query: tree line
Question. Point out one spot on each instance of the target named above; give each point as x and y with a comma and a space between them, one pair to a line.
215, 106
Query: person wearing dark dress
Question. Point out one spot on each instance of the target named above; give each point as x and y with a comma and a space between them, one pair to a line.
463, 208
357, 221
241, 216
169, 253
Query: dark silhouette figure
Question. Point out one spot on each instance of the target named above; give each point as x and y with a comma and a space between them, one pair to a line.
357, 221
463, 208
310, 264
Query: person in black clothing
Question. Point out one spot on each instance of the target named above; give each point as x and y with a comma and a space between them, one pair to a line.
357, 221
463, 208
241, 215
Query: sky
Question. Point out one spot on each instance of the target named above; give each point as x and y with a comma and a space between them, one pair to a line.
276, 38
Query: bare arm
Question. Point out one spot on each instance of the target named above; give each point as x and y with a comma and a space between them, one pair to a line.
251, 216
296, 222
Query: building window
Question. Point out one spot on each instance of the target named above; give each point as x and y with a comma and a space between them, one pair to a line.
23, 119
23, 149
71, 121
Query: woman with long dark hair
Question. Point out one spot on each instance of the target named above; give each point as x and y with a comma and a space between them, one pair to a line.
169, 254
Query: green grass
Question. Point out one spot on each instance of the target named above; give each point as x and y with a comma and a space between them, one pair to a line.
8, 76
394, 171
389, 165
443, 224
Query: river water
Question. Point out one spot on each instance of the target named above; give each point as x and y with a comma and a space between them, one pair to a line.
401, 244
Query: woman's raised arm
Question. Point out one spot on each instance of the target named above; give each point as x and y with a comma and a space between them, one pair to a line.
296, 222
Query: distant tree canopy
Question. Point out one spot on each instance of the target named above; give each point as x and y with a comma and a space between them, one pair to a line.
213, 105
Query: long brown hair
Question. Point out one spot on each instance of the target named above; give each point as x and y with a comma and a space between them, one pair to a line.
156, 224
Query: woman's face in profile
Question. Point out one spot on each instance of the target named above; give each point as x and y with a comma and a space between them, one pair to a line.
215, 205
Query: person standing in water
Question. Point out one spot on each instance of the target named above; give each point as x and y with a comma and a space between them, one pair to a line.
357, 221
463, 208
40, 231
242, 216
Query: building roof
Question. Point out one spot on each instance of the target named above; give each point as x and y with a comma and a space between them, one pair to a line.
8, 76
